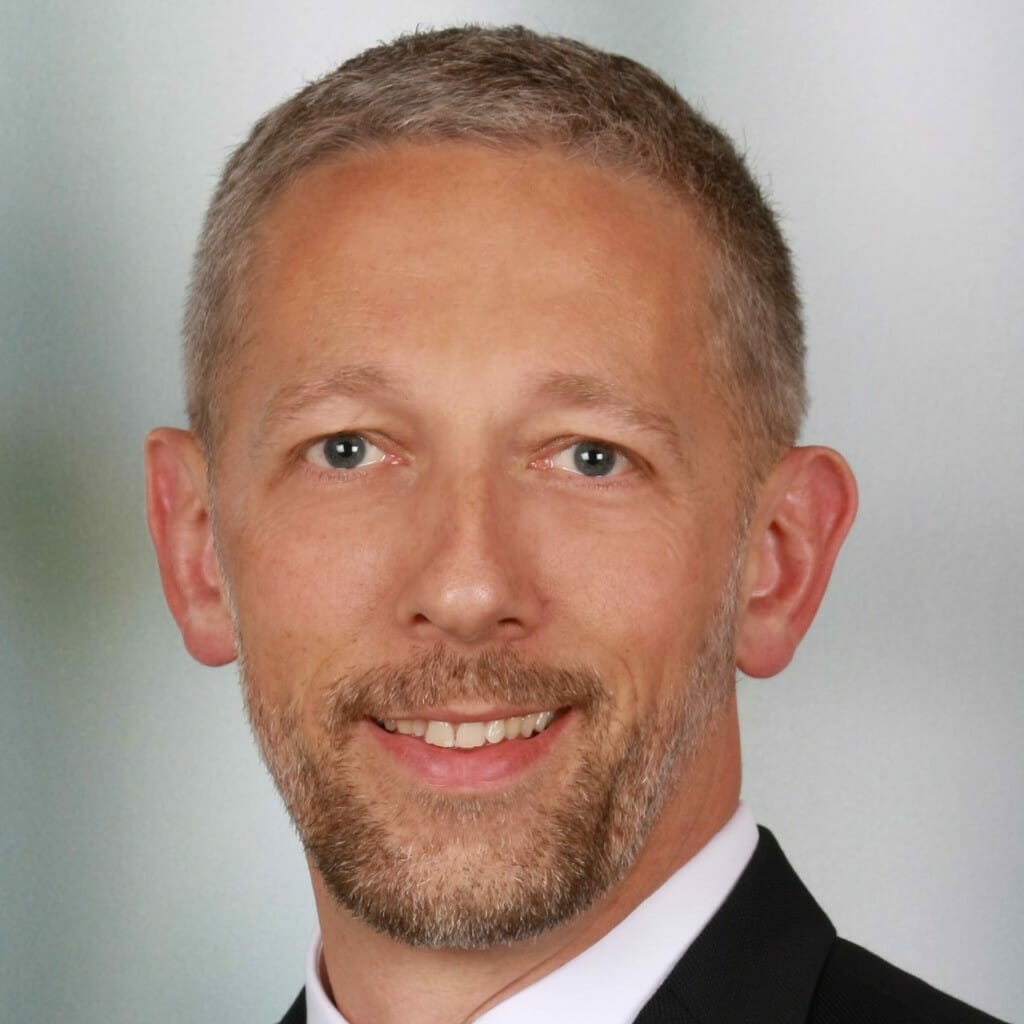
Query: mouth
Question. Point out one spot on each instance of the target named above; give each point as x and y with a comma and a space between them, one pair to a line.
472, 752
469, 735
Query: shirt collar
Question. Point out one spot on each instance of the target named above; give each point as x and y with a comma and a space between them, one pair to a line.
612, 980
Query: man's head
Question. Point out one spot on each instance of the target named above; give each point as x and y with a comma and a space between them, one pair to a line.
486, 449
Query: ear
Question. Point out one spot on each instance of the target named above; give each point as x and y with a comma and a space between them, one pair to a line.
806, 509
178, 508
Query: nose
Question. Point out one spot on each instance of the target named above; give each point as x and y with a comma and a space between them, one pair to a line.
470, 579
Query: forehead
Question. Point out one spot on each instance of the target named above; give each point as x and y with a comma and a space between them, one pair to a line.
454, 254
426, 186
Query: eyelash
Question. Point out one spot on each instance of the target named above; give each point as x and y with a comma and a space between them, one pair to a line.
616, 479
303, 454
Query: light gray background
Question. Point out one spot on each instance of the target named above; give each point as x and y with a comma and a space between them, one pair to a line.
146, 871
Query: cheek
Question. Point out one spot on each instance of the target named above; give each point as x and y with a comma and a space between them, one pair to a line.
635, 595
309, 589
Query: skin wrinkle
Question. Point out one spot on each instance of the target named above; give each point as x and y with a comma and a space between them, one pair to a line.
588, 391
293, 399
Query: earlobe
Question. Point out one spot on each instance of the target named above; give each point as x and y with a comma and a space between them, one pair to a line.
178, 510
806, 510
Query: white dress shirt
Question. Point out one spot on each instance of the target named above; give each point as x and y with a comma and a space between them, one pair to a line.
612, 980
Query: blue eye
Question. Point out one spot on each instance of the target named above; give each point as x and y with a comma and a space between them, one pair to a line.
344, 451
594, 459
591, 458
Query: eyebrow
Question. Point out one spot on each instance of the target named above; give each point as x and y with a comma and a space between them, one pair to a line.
354, 381
578, 390
589, 392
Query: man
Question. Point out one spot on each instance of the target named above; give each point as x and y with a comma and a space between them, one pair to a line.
495, 373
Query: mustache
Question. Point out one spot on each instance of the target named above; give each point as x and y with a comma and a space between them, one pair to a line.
440, 676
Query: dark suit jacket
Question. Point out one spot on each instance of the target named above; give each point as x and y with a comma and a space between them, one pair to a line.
771, 956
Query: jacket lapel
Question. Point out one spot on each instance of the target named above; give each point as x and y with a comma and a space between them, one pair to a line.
758, 959
297, 1012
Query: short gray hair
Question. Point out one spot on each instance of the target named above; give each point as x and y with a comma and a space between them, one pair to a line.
508, 87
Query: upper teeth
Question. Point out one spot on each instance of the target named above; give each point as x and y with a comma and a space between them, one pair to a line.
467, 735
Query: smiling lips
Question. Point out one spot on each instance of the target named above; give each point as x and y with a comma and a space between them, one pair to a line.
468, 735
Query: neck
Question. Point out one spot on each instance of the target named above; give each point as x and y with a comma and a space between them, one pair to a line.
372, 977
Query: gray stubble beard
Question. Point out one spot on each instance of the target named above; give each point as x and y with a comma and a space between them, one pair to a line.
492, 870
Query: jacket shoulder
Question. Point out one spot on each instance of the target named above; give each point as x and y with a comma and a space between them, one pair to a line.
857, 987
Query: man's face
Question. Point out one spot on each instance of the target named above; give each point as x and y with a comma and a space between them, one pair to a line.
473, 470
